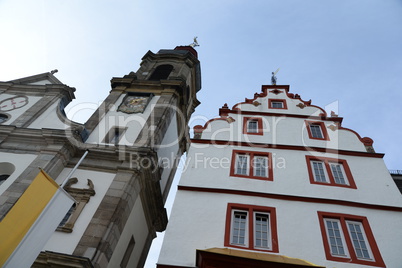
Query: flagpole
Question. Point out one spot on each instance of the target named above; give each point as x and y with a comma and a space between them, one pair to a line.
73, 170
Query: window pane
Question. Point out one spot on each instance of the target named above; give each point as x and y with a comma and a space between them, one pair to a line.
319, 172
316, 131
335, 237
337, 173
242, 164
358, 240
239, 228
261, 231
277, 104
252, 126
261, 166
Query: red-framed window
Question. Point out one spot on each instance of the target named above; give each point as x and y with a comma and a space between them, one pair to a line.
277, 104
251, 227
252, 125
254, 165
316, 130
348, 238
329, 171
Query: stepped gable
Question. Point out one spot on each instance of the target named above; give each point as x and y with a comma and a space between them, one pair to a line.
295, 107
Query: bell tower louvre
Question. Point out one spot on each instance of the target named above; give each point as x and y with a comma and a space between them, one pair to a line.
117, 167
276, 181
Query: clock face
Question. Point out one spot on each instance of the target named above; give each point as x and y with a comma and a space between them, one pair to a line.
13, 103
134, 104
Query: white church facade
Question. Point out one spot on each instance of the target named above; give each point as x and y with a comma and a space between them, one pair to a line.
278, 182
131, 146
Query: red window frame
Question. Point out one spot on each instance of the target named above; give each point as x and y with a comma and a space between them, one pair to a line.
322, 127
259, 125
327, 161
352, 258
251, 209
284, 105
250, 167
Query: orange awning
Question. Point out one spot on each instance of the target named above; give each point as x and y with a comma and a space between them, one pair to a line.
259, 257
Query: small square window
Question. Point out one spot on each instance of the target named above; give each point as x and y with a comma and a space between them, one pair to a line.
252, 125
277, 104
329, 171
317, 130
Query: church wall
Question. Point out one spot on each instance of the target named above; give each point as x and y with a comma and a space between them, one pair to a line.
101, 181
49, 119
136, 227
14, 114
133, 122
20, 162
168, 151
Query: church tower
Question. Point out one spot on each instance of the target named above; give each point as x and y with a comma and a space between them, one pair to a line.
278, 182
131, 144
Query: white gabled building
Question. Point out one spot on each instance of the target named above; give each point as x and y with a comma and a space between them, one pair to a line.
278, 182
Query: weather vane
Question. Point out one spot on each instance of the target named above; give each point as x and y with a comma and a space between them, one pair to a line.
273, 78
194, 43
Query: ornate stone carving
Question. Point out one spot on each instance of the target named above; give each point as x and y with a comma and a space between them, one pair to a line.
82, 197
256, 103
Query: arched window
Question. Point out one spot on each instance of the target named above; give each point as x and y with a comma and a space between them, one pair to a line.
6, 169
3, 118
161, 72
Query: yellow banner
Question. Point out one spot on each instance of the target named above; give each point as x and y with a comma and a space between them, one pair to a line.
24, 213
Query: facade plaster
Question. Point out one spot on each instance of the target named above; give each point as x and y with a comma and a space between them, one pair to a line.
290, 138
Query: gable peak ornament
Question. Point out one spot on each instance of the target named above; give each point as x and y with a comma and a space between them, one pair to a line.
273, 77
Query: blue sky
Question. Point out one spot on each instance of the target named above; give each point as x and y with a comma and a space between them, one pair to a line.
343, 53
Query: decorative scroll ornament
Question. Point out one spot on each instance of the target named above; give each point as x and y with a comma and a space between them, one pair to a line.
333, 127
301, 105
276, 91
256, 103
230, 119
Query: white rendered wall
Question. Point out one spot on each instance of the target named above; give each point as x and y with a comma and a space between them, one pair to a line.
67, 242
168, 150
204, 228
49, 119
137, 227
42, 82
282, 130
20, 161
133, 122
14, 114
210, 167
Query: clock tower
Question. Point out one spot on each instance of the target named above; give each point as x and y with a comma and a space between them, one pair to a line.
134, 141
